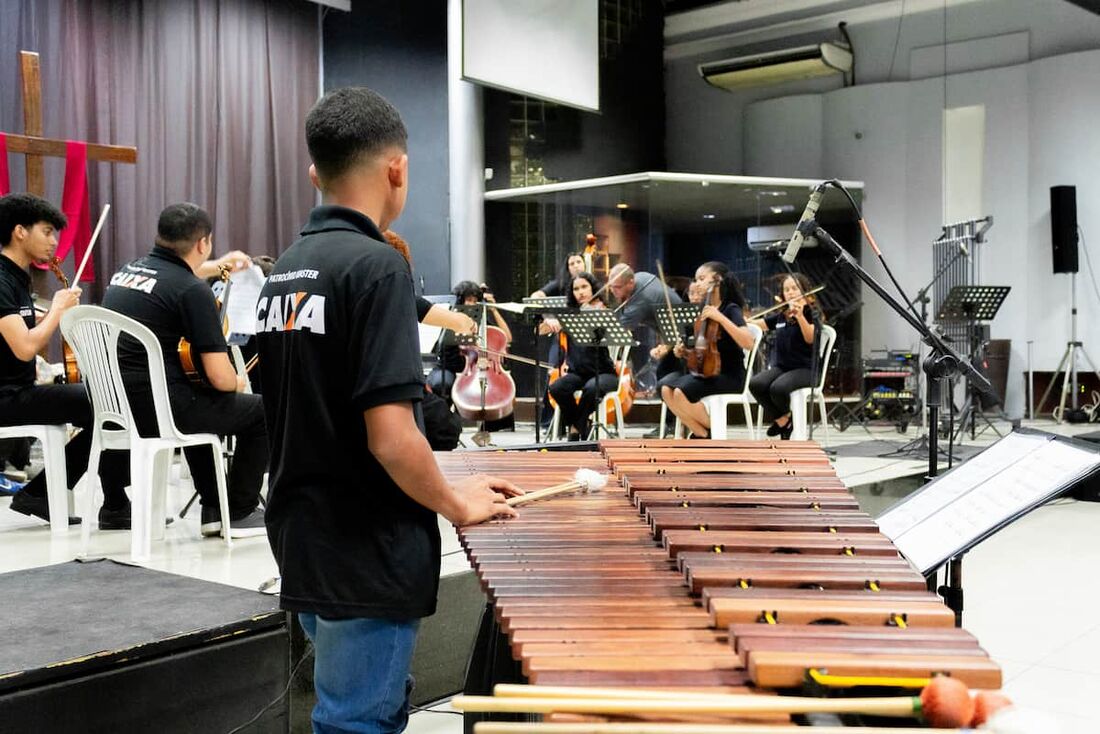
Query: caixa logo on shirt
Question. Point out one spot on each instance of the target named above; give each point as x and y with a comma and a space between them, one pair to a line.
291, 312
136, 282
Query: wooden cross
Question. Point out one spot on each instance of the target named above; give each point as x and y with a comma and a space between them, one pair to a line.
34, 146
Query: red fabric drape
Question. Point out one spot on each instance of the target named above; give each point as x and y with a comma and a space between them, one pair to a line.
74, 203
5, 181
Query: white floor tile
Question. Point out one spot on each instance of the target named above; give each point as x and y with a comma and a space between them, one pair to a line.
1081, 654
1059, 691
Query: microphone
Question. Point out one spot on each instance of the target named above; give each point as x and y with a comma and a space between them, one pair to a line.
808, 214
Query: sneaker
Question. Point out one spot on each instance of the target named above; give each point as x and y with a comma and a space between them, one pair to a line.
9, 487
211, 522
36, 506
249, 526
120, 519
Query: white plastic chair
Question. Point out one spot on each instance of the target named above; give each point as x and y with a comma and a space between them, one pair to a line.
716, 404
609, 400
93, 333
801, 396
53, 440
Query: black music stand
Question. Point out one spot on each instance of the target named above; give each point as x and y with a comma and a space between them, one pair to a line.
684, 314
971, 304
595, 328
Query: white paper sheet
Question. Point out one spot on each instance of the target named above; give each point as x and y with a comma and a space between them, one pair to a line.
1016, 473
243, 296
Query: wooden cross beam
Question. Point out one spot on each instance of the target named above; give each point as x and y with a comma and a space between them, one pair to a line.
34, 146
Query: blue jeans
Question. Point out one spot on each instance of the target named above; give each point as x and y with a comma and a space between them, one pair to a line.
360, 673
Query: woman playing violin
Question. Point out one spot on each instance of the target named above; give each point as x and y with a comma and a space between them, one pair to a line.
683, 394
588, 369
792, 355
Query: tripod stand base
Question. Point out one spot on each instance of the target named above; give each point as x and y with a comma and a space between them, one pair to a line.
917, 447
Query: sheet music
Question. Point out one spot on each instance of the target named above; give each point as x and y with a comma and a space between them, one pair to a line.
243, 296
1018, 472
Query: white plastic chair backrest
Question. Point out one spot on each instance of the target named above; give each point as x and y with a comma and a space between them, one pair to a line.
93, 333
750, 355
828, 339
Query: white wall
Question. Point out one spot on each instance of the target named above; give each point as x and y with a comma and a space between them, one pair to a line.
704, 124
1040, 132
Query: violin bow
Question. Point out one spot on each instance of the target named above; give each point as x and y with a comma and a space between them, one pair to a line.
668, 301
91, 243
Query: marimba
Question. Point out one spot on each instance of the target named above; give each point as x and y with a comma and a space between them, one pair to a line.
714, 565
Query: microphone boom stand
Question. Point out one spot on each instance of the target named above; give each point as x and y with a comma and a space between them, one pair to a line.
940, 365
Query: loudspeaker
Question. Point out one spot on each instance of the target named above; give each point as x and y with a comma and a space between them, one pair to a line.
1063, 228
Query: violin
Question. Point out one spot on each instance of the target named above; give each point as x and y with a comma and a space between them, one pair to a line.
703, 359
187, 357
72, 372
485, 391
811, 301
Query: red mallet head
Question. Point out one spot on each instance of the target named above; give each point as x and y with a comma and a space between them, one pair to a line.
987, 703
945, 702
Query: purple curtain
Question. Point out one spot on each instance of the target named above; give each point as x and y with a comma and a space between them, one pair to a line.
213, 93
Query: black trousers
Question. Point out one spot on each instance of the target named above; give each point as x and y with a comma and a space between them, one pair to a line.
573, 413
772, 388
56, 405
203, 410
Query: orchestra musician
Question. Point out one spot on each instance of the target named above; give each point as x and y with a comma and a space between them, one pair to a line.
28, 234
451, 359
442, 426
683, 394
586, 368
163, 291
662, 352
792, 355
640, 295
354, 486
573, 266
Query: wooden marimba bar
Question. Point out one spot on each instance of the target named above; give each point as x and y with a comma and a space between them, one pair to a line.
720, 565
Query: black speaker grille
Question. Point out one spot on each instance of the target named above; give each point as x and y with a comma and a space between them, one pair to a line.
1063, 228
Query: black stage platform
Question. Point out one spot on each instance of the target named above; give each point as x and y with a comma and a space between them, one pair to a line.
102, 646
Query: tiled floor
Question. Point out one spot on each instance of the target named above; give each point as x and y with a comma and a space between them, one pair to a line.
1031, 592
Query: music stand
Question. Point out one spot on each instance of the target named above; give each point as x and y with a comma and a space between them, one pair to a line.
595, 328
971, 304
684, 314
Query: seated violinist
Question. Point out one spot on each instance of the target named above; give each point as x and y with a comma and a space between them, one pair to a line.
792, 356
586, 368
28, 234
163, 291
683, 394
451, 360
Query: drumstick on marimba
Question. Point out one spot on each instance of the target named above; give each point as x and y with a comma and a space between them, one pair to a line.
584, 480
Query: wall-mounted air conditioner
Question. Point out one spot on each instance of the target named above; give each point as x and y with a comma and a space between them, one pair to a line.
775, 67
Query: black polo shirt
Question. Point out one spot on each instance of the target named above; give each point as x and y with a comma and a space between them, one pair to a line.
162, 292
15, 299
336, 331
791, 350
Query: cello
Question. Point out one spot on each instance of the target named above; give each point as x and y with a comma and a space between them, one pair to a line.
484, 391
